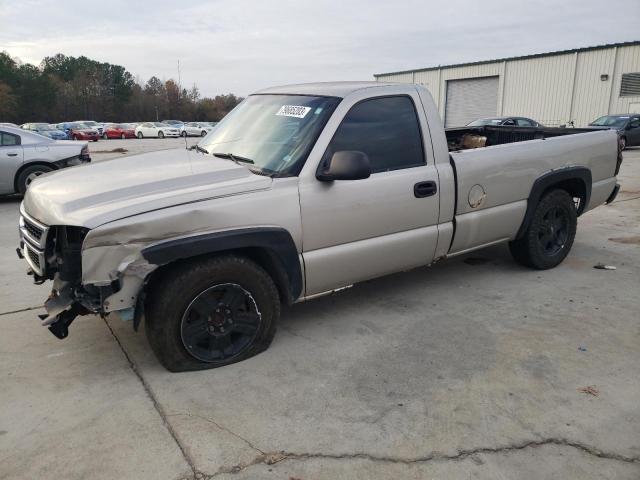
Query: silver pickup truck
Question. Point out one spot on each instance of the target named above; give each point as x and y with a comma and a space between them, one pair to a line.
300, 191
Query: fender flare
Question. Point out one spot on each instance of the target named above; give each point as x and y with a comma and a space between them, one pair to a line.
548, 180
274, 243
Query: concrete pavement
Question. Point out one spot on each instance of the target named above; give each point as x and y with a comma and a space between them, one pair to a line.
468, 369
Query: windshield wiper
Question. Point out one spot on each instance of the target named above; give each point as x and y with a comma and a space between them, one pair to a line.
236, 158
198, 148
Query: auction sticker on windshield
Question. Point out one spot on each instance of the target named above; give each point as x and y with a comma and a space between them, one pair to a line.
293, 111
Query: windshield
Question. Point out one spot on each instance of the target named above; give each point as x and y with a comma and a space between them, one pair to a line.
485, 121
276, 132
609, 121
160, 124
90, 123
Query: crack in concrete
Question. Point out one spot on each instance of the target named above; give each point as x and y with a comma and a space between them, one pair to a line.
277, 457
156, 405
26, 309
220, 427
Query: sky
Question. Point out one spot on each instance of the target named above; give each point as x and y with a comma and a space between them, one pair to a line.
240, 46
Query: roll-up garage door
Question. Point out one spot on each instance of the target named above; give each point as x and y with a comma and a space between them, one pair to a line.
470, 99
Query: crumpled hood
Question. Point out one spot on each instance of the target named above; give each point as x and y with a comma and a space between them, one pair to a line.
93, 194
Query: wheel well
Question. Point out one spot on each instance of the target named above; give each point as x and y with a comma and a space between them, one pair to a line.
574, 180
263, 257
574, 187
27, 165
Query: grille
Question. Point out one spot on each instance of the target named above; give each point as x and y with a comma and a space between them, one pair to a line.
34, 230
33, 256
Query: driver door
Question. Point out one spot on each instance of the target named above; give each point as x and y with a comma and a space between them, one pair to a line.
354, 230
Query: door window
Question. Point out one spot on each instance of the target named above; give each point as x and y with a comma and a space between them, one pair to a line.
523, 122
635, 123
386, 129
9, 140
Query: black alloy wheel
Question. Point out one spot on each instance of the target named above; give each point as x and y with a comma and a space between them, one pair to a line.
220, 322
553, 230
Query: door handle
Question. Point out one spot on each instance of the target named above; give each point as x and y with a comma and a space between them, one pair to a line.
12, 154
425, 189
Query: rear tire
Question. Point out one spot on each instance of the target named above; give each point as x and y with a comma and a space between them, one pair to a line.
208, 313
123, 136
28, 175
623, 143
184, 134
549, 237
105, 136
203, 133
161, 134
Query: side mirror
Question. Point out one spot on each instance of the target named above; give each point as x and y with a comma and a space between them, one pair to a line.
345, 165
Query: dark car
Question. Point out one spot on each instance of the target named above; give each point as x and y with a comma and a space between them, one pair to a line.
505, 121
627, 125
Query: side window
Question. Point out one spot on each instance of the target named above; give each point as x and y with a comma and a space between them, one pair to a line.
386, 129
9, 140
635, 123
509, 122
523, 122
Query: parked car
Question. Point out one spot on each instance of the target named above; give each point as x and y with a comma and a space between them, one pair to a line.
627, 126
303, 190
25, 155
505, 121
78, 131
156, 129
118, 130
195, 129
45, 129
94, 125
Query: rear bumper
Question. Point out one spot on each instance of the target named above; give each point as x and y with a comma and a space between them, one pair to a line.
614, 194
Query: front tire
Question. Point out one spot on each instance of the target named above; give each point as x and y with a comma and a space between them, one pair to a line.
212, 312
28, 175
123, 137
160, 134
140, 135
203, 133
623, 143
549, 237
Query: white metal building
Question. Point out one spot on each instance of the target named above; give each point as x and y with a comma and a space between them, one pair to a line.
553, 88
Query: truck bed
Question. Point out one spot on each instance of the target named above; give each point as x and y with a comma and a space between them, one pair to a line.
463, 138
502, 175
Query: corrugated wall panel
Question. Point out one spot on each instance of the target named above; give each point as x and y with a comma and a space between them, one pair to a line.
540, 88
431, 81
591, 95
628, 61
552, 89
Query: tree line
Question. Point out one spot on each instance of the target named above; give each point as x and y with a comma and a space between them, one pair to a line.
65, 88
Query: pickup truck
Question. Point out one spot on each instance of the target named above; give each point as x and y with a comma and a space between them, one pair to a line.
300, 191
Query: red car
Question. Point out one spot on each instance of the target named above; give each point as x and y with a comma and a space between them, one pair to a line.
79, 131
118, 130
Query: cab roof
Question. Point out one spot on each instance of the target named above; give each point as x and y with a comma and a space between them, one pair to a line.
326, 89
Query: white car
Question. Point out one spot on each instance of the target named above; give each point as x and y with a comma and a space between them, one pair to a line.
195, 129
157, 130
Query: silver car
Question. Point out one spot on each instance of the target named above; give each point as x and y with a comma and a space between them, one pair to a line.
25, 155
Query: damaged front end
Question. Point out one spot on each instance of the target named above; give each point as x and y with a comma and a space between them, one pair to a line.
54, 253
